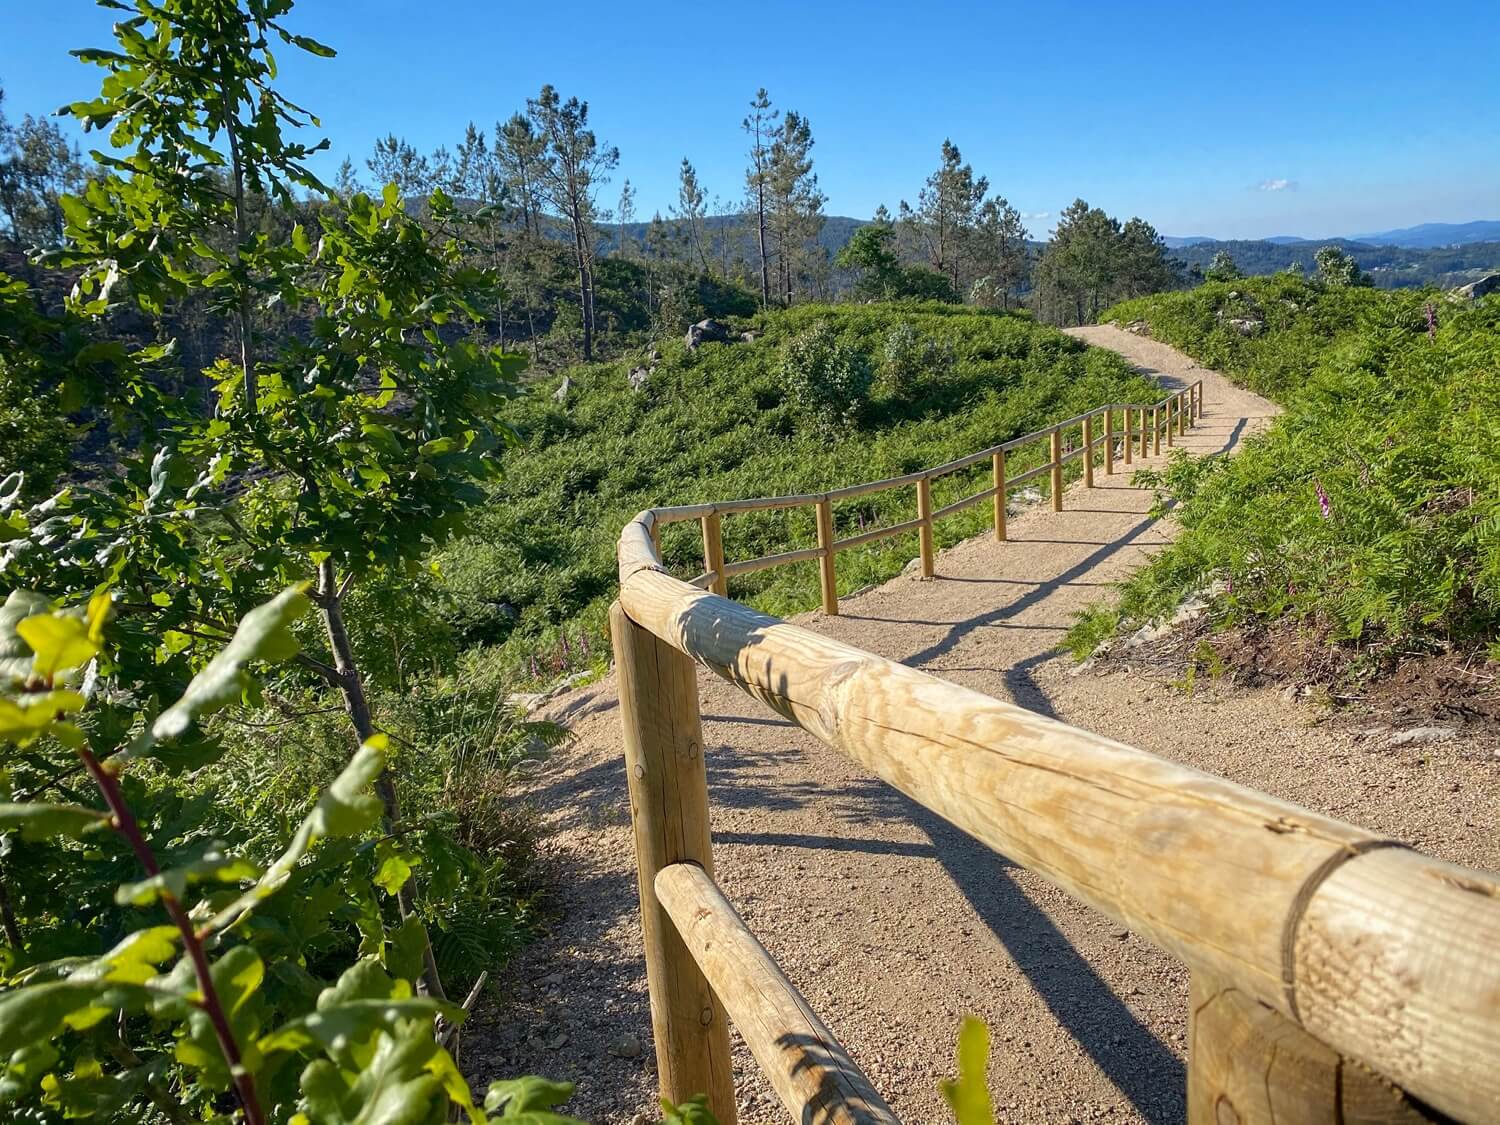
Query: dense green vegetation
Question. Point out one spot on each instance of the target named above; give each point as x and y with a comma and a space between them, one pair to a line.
537, 568
1388, 267
1370, 513
228, 892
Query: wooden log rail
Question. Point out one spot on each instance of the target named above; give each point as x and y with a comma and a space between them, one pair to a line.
1096, 434
1337, 976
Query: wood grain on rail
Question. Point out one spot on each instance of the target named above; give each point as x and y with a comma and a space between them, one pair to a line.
807, 1067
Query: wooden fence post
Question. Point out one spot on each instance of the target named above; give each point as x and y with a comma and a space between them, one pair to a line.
1170, 421
825, 564
998, 465
1129, 443
1145, 435
1181, 416
924, 531
1109, 441
663, 735
1156, 431
713, 553
1249, 1065
1088, 451
1057, 484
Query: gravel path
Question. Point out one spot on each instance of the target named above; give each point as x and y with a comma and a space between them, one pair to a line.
894, 924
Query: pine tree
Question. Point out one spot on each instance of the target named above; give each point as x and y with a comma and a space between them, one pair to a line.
946, 213
519, 154
346, 180
761, 126
574, 166
395, 161
1000, 248
690, 213
658, 239
625, 215
1143, 263
475, 175
795, 202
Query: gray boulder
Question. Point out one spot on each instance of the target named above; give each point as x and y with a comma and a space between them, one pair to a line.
706, 332
1477, 289
564, 388
638, 378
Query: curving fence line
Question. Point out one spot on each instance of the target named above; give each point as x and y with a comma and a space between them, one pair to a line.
1337, 975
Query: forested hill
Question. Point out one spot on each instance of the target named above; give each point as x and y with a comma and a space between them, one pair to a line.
1389, 267
738, 228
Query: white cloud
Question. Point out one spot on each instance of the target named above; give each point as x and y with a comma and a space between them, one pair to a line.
1036, 214
1277, 185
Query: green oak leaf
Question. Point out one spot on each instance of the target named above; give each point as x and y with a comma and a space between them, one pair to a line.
41, 821
214, 867
264, 634
346, 808
529, 1101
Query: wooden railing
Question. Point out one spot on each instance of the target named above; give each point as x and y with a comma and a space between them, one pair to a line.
1336, 975
1144, 426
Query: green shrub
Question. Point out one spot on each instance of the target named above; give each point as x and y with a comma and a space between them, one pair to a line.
1370, 511
829, 380
530, 581
907, 356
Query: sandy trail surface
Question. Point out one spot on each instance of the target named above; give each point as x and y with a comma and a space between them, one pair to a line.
892, 923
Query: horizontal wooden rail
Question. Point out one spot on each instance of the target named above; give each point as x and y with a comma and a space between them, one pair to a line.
1187, 404
966, 502
765, 561
876, 533
1385, 955
1022, 478
810, 1071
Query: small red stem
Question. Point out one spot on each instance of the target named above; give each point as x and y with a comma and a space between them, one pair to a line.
127, 826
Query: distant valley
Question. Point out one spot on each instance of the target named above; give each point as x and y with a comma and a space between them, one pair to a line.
1442, 254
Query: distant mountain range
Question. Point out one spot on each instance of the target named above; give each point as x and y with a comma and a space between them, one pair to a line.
1427, 236
1441, 254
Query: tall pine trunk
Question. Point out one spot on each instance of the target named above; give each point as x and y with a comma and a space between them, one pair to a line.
765, 271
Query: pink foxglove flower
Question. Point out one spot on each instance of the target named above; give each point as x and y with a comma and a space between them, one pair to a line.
1323, 505
1431, 321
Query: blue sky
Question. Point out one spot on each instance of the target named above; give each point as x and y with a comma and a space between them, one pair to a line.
1230, 119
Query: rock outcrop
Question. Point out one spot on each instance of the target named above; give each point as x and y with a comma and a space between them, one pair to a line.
706, 332
1477, 289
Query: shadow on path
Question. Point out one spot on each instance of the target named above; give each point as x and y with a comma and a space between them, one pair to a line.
1037, 594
